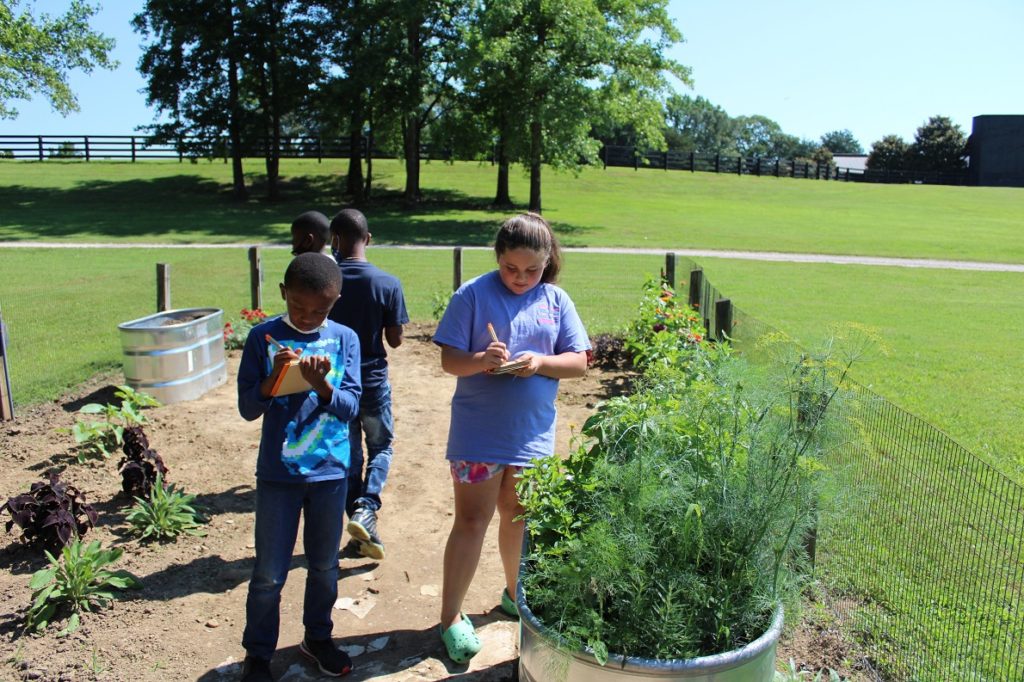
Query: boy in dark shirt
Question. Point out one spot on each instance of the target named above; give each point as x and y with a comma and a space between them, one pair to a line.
311, 232
373, 305
303, 460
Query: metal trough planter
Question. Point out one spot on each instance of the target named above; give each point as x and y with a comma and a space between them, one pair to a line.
175, 355
542, 660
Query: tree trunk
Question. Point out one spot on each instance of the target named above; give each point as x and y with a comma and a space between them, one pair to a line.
411, 132
239, 190
411, 122
535, 156
354, 182
369, 150
274, 142
501, 197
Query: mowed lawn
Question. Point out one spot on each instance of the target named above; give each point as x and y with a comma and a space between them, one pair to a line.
952, 335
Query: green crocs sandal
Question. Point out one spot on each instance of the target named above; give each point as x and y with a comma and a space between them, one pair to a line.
460, 640
508, 605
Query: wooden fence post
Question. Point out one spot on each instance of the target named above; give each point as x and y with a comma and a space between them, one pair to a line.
133, 149
696, 287
256, 278
776, 167
86, 138
723, 319
693, 167
670, 269
40, 141
163, 287
718, 163
739, 165
6, 399
666, 160
758, 171
456, 268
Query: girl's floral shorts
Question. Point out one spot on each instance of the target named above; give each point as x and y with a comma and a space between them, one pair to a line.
477, 472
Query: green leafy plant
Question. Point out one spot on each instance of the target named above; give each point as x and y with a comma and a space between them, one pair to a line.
439, 303
50, 514
167, 514
666, 330
235, 333
103, 438
78, 581
677, 527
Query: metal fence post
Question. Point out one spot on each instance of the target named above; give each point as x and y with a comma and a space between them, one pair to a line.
456, 268
256, 277
6, 399
163, 287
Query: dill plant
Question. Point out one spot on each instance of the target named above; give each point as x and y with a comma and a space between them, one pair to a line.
676, 528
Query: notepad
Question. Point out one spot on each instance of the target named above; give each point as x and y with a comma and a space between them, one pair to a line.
511, 366
290, 380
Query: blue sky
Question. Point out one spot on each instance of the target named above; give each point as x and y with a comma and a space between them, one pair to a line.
874, 66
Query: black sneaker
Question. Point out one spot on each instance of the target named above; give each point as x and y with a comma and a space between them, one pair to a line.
330, 659
363, 527
256, 670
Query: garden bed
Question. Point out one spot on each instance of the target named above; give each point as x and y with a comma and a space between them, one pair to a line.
186, 621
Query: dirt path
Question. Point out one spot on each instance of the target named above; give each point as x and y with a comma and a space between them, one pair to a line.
186, 623
775, 256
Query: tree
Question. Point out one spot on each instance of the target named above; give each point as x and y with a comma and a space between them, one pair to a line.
697, 125
757, 136
575, 65
889, 153
192, 63
939, 145
36, 54
841, 142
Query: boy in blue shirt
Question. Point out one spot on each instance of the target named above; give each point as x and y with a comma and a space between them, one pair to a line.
373, 305
303, 460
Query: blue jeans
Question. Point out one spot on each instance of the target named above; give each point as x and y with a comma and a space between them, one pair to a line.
376, 423
278, 506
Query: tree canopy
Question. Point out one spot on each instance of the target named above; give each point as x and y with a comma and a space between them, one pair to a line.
939, 145
841, 142
38, 53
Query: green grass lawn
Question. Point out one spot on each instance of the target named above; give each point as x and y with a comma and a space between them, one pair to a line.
172, 202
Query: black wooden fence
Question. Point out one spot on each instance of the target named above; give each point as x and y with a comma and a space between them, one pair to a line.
141, 147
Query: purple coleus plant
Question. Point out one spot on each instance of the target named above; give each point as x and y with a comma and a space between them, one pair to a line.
140, 465
51, 514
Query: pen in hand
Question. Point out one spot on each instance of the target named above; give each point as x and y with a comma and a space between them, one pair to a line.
280, 346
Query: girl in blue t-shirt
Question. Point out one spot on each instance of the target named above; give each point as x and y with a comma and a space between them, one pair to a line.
502, 420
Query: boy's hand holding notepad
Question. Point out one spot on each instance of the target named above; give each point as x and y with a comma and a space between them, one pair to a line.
511, 365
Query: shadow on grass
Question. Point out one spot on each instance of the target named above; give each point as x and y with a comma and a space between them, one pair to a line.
185, 208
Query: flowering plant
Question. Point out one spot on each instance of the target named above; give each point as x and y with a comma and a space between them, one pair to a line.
235, 334
666, 331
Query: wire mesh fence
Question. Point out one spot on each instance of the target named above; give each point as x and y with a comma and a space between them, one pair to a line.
921, 547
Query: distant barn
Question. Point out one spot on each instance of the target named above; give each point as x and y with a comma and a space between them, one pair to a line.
996, 150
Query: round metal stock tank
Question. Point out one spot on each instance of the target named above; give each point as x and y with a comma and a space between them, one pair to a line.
540, 659
175, 355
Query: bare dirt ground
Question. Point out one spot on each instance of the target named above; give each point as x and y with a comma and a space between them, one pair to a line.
186, 622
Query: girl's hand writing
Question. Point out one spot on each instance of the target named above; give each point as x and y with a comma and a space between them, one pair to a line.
494, 356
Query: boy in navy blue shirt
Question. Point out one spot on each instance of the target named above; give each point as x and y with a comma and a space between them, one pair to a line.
303, 460
373, 305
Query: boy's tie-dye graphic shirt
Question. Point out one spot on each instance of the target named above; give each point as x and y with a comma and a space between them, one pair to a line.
303, 437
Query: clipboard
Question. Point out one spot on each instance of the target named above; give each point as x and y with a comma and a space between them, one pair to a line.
290, 380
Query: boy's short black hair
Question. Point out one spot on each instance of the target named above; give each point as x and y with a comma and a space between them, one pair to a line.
350, 224
314, 223
313, 272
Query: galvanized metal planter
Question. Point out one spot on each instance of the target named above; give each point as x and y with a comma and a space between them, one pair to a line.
175, 355
541, 659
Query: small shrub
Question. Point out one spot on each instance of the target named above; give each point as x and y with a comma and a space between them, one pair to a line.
439, 303
141, 466
167, 514
66, 150
235, 334
50, 514
79, 582
6, 154
792, 674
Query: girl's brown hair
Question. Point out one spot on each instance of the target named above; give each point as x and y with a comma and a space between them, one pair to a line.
530, 231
